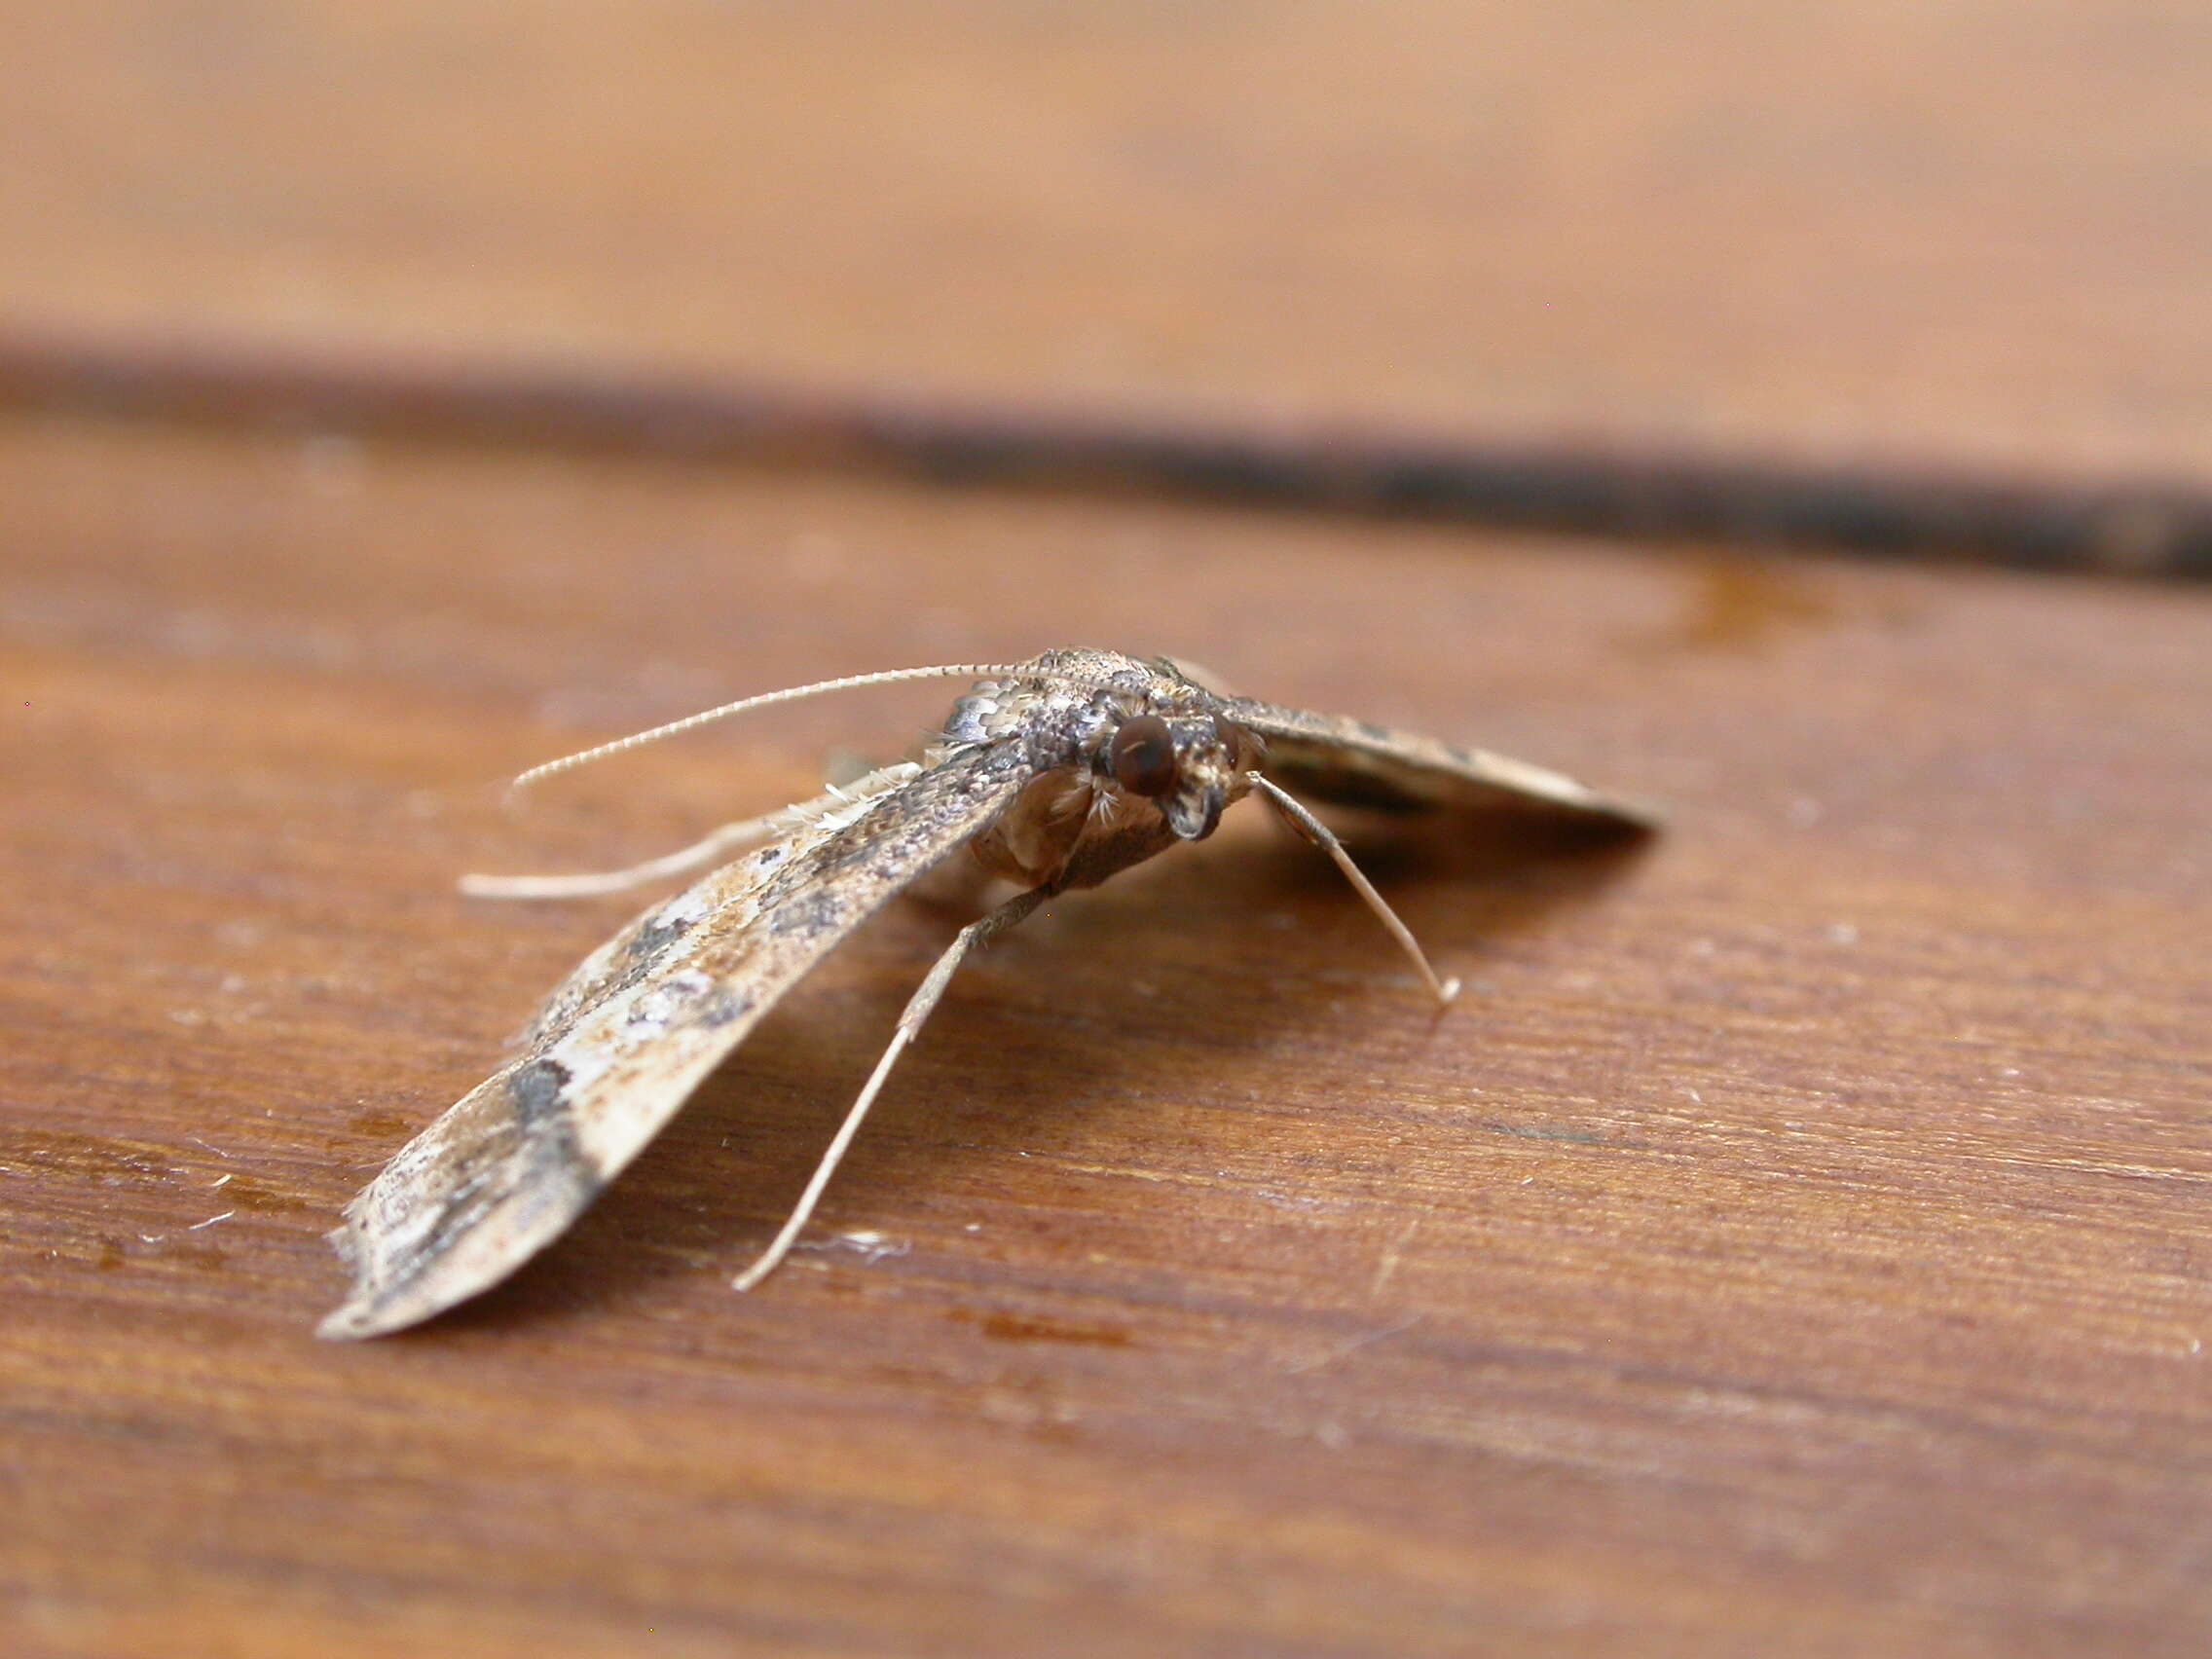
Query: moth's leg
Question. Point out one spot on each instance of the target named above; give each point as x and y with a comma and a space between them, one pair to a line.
910, 1022
703, 851
1320, 834
592, 883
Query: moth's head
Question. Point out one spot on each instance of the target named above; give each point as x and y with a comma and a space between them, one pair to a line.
1190, 767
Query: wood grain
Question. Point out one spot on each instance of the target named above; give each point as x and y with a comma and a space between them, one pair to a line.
1970, 233
1796, 1242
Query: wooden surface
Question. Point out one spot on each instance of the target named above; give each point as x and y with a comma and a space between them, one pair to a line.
1967, 233
1797, 1241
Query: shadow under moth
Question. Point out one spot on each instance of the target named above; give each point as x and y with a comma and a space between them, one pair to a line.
1056, 773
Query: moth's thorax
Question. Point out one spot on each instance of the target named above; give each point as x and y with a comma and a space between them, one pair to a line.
1070, 693
1130, 758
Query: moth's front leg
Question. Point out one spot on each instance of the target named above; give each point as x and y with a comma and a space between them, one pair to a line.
715, 844
911, 1022
1294, 813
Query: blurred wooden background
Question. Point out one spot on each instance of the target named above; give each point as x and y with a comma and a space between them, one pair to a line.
1797, 1242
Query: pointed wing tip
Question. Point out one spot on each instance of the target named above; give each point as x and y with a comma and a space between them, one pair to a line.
376, 1307
1574, 802
379, 1301
353, 1320
1541, 786
1635, 817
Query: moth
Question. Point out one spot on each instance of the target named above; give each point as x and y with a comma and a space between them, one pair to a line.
1056, 773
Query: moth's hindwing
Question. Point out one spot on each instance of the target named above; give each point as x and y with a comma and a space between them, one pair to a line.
631, 1033
1352, 763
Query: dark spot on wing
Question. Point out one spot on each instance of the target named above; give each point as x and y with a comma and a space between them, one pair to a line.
723, 1007
816, 912
535, 1167
652, 938
535, 1089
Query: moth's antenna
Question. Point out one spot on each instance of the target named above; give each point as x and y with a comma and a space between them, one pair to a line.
886, 676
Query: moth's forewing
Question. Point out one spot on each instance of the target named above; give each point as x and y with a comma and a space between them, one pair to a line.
1351, 763
629, 1036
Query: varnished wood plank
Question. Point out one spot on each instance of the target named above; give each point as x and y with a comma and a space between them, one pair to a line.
1657, 494
1793, 1243
1968, 233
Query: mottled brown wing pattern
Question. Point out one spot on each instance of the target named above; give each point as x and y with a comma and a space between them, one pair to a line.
1349, 762
627, 1038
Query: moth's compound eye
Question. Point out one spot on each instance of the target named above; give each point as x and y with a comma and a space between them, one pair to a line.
1144, 757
